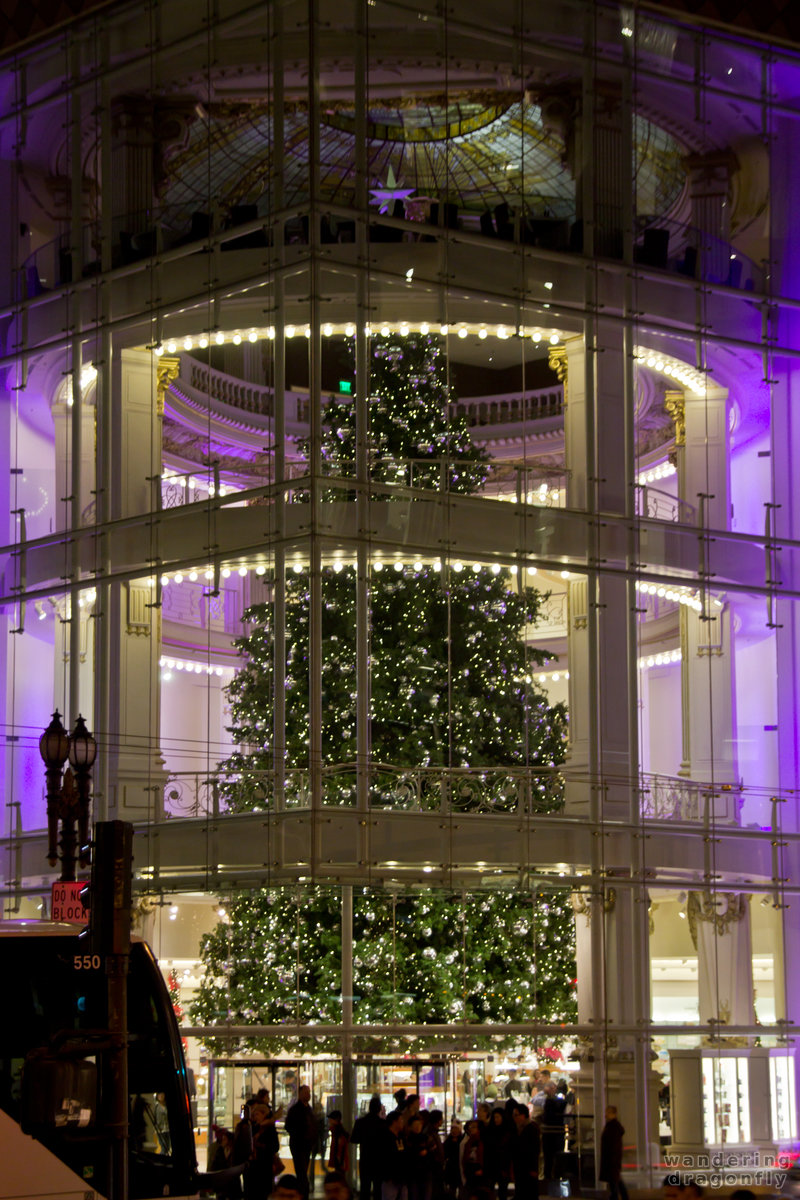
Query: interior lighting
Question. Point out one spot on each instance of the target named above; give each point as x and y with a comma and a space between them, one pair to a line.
404, 330
252, 336
209, 574
289, 331
337, 566
410, 274
377, 565
171, 347
437, 566
462, 333
482, 334
242, 571
261, 570
203, 343
164, 580
496, 568
178, 577
476, 567
443, 330
536, 336
554, 339
398, 566
298, 568
349, 330
424, 328
385, 331
219, 337
549, 285
533, 570
501, 332
307, 331
158, 350
187, 343
458, 567
271, 333
226, 572
193, 576
327, 330
417, 564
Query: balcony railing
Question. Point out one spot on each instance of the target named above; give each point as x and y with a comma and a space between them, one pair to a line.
672, 798
404, 789
447, 791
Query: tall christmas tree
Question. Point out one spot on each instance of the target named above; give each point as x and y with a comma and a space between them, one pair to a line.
451, 686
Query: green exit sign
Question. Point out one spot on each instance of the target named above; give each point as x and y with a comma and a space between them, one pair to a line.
346, 387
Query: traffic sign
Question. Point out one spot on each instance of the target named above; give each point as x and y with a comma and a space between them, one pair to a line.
66, 904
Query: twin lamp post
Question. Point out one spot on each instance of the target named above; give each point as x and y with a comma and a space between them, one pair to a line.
68, 796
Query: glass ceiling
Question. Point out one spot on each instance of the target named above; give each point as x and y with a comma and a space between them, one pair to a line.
472, 152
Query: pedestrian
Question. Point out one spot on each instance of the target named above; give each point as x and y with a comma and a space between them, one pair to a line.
368, 1134
339, 1156
552, 1127
452, 1160
301, 1126
611, 1156
497, 1153
525, 1147
472, 1158
336, 1187
393, 1157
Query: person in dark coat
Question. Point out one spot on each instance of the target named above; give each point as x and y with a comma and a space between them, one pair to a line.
552, 1127
525, 1154
611, 1156
301, 1126
367, 1134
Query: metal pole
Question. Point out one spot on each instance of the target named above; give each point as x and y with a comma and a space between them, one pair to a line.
348, 1066
76, 247
362, 413
315, 439
279, 427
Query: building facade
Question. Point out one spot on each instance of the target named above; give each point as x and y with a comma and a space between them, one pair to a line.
215, 217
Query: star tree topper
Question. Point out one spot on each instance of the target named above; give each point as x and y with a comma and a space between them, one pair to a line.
386, 194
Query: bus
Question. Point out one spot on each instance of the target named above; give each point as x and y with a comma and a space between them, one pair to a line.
54, 1070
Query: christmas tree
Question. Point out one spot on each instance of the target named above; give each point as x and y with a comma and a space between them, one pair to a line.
452, 685
425, 957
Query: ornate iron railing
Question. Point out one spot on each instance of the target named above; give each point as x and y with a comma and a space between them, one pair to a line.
407, 789
673, 798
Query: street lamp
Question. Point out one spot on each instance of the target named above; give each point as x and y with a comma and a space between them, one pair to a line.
67, 799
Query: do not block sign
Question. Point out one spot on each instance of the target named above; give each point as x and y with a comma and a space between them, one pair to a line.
65, 903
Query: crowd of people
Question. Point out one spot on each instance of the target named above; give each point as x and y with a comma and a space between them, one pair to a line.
404, 1154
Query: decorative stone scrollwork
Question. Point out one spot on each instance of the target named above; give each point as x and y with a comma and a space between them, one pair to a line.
167, 370
675, 404
723, 910
582, 903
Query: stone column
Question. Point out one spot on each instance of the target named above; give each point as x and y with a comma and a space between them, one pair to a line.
614, 991
710, 177
708, 697
600, 754
136, 772
719, 923
132, 162
702, 446
62, 421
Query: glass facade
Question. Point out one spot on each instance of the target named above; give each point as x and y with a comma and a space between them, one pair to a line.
399, 469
